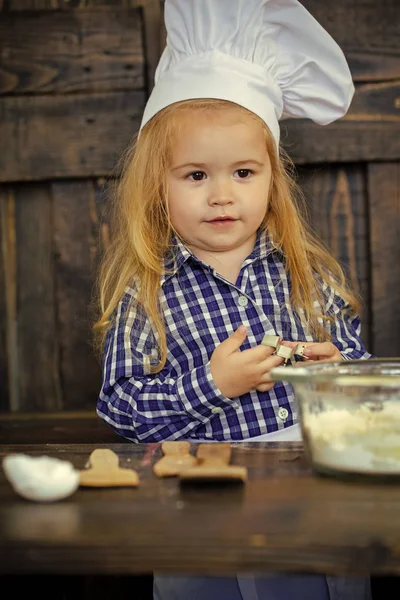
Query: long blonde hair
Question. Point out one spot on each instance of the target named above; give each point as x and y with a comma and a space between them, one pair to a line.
141, 230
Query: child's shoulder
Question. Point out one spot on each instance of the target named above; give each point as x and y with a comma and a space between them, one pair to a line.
130, 291
126, 303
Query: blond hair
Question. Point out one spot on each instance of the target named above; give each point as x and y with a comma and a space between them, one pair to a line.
141, 230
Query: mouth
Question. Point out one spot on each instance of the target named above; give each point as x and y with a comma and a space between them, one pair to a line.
223, 219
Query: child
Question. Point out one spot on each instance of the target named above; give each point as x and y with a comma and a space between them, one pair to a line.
209, 252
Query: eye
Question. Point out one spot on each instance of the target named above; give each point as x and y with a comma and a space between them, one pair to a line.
244, 173
197, 176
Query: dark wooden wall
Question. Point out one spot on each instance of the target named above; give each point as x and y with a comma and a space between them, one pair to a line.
74, 78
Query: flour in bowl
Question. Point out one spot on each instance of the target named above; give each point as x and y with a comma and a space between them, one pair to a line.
359, 440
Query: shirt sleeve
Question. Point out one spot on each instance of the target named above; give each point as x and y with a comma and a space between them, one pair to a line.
345, 327
145, 407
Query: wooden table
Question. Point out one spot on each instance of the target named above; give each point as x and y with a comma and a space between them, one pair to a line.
283, 519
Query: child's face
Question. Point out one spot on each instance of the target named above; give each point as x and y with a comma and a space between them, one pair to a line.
218, 182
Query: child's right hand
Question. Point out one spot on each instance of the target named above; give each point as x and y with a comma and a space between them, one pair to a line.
236, 373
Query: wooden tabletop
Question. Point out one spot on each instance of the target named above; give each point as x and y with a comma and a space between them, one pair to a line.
284, 518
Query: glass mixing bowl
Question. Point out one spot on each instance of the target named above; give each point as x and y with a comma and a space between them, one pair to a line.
350, 415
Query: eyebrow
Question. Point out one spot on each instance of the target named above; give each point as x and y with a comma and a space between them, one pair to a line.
251, 161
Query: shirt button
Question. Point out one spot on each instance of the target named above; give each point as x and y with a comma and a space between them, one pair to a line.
216, 410
283, 414
243, 301
235, 405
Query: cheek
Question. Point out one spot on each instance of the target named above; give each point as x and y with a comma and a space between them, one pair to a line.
255, 217
183, 204
263, 199
175, 214
175, 200
180, 214
257, 208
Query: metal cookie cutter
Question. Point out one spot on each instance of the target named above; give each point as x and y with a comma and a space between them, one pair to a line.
273, 341
299, 350
285, 352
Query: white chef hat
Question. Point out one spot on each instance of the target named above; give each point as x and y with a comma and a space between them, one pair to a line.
270, 56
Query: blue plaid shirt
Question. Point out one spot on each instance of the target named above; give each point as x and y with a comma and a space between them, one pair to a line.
201, 309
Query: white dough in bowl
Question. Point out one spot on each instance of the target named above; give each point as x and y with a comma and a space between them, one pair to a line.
357, 440
41, 478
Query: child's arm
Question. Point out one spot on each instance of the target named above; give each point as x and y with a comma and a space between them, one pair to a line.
345, 329
144, 407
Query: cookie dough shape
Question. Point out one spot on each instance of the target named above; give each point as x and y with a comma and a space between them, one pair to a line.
213, 465
104, 471
176, 459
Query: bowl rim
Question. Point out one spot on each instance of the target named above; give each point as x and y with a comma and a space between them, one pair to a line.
307, 373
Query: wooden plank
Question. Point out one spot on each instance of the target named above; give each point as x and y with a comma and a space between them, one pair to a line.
76, 228
368, 32
153, 38
37, 335
50, 137
66, 427
9, 253
84, 135
337, 206
4, 385
384, 206
370, 130
8, 358
74, 51
104, 190
42, 5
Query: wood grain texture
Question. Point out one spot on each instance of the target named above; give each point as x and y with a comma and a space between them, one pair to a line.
105, 194
74, 51
366, 30
51, 242
369, 131
76, 229
153, 38
85, 135
66, 427
39, 386
338, 212
51, 137
284, 519
10, 358
368, 33
7, 302
43, 5
384, 207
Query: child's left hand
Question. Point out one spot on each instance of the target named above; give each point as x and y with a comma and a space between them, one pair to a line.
325, 351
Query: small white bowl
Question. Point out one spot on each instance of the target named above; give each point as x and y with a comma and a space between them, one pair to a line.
41, 478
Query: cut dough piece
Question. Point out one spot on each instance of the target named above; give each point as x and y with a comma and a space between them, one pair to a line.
104, 471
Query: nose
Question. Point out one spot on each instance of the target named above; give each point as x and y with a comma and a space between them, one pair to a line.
220, 193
